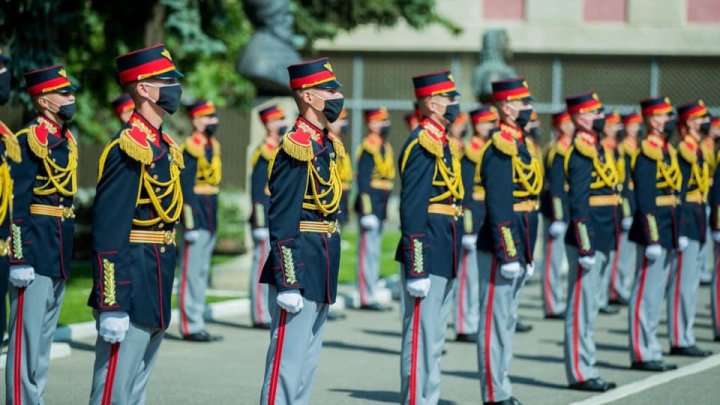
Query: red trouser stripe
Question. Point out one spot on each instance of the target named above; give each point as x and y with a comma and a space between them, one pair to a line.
614, 272
17, 364
576, 325
361, 269
717, 286
547, 284
636, 318
488, 332
258, 286
110, 376
183, 288
275, 374
676, 300
414, 352
461, 293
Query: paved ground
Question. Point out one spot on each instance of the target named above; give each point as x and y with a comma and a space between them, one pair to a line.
359, 364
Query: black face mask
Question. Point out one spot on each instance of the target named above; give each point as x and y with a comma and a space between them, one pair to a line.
669, 128
523, 117
385, 132
641, 132
65, 112
598, 125
281, 131
210, 129
452, 111
4, 87
169, 99
705, 128
621, 133
332, 108
534, 132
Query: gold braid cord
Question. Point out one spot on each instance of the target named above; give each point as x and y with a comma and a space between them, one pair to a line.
58, 179
669, 175
6, 190
607, 174
528, 176
209, 173
448, 178
168, 190
314, 198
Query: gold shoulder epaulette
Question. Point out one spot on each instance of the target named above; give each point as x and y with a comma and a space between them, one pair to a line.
133, 141
688, 151
474, 150
194, 146
297, 145
369, 146
175, 151
562, 147
505, 143
337, 146
651, 149
430, 144
12, 147
585, 145
37, 139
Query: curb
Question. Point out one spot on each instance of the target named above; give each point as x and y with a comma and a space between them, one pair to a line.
57, 351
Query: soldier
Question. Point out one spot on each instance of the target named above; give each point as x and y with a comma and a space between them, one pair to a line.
621, 280
123, 106
200, 180
657, 179
554, 210
430, 244
138, 202
339, 130
9, 153
412, 120
467, 294
684, 280
45, 182
714, 202
273, 119
302, 269
707, 146
508, 173
375, 175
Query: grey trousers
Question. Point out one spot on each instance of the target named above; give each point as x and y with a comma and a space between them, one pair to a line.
197, 257
584, 291
681, 295
122, 370
621, 281
259, 304
551, 288
646, 304
715, 294
499, 300
368, 263
605, 274
34, 312
467, 294
294, 351
424, 326
706, 252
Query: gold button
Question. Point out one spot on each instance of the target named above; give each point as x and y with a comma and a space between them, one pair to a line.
157, 189
152, 165
162, 225
62, 199
155, 176
162, 249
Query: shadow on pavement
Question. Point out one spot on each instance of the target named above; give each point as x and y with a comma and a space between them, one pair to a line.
610, 347
540, 358
605, 364
236, 325
535, 382
380, 396
386, 333
81, 346
334, 344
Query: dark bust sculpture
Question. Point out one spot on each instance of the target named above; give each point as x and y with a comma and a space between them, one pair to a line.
495, 50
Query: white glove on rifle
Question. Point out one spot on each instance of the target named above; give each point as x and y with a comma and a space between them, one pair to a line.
370, 222
653, 251
113, 326
587, 261
191, 236
557, 229
627, 223
418, 287
21, 276
260, 234
510, 270
290, 300
683, 243
469, 242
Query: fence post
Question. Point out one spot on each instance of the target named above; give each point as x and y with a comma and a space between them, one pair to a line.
356, 129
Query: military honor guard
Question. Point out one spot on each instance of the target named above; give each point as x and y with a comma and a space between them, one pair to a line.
138, 203
200, 182
554, 208
41, 233
708, 148
592, 180
509, 174
375, 175
302, 268
467, 288
657, 179
339, 129
123, 107
714, 203
9, 153
684, 281
430, 207
273, 119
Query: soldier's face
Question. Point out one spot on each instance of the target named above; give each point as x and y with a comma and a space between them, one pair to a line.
53, 101
567, 127
483, 128
632, 130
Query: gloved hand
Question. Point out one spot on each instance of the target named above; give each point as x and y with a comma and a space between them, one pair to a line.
418, 287
587, 261
557, 229
191, 236
260, 234
113, 326
370, 222
529, 269
653, 251
716, 236
510, 270
469, 242
627, 223
683, 243
21, 276
290, 300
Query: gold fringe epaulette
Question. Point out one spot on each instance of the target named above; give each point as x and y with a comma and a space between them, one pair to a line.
505, 143
474, 150
651, 149
194, 148
12, 148
175, 151
299, 148
432, 145
369, 146
585, 145
338, 146
688, 151
561, 148
37, 146
133, 141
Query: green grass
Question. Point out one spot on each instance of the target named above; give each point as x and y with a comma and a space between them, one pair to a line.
348, 259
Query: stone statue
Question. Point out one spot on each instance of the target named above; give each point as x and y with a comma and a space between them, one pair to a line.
270, 50
495, 50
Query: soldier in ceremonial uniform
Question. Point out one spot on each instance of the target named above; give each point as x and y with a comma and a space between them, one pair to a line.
200, 180
621, 281
554, 209
707, 146
684, 281
138, 203
467, 293
9, 153
273, 119
44, 184
714, 203
123, 107
508, 173
657, 179
429, 249
302, 269
592, 180
375, 175
339, 130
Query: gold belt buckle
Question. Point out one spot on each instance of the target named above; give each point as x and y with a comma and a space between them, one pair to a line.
169, 237
331, 228
68, 212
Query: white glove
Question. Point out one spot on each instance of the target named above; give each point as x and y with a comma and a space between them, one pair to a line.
260, 234
191, 236
683, 243
290, 300
716, 236
418, 287
653, 251
557, 229
21, 276
370, 222
587, 261
469, 242
510, 270
530, 269
113, 326
627, 223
